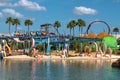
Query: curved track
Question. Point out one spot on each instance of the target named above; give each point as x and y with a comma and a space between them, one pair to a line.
97, 22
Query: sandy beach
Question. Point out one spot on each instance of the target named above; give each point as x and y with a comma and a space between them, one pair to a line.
20, 57
45, 57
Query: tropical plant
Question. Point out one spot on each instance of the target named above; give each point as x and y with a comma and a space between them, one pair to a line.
68, 26
28, 23
40, 47
72, 24
116, 30
81, 23
56, 25
16, 22
9, 21
14, 45
76, 46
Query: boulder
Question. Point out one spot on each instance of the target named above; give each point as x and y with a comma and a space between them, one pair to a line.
116, 63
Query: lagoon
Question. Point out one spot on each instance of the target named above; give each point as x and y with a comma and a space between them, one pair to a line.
58, 70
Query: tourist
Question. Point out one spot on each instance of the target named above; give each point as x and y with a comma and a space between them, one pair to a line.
34, 52
64, 53
1, 55
25, 52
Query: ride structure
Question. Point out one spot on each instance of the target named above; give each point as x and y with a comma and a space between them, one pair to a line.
98, 21
5, 48
108, 43
103, 45
100, 45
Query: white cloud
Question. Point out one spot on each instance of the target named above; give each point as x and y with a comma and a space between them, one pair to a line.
25, 4
12, 12
4, 4
30, 5
84, 10
116, 1
1, 15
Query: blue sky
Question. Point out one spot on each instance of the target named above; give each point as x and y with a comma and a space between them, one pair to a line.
49, 11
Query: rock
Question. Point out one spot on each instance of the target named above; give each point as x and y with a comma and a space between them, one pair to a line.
116, 63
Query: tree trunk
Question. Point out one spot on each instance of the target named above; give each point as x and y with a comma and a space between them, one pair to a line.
28, 31
79, 32
73, 31
57, 32
70, 32
9, 29
16, 28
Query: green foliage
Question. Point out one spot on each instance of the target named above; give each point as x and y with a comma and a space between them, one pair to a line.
40, 47
116, 30
110, 41
9, 21
28, 23
71, 25
76, 46
81, 23
16, 22
16, 45
13, 45
56, 25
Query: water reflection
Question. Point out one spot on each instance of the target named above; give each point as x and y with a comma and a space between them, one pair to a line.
33, 71
57, 70
13, 69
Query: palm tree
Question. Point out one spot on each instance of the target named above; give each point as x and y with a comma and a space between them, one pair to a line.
28, 23
72, 24
16, 22
68, 26
81, 23
116, 30
9, 21
56, 25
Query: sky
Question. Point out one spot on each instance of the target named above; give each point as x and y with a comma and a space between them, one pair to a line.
49, 11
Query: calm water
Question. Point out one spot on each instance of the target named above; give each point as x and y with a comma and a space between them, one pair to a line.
58, 70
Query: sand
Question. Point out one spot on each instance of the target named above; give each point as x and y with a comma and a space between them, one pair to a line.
19, 57
45, 57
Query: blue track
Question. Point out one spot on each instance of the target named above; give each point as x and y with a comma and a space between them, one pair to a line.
54, 40
40, 41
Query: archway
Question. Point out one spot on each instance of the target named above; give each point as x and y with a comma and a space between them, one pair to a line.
102, 48
97, 22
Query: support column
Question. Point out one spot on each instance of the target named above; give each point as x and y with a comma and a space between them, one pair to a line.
48, 47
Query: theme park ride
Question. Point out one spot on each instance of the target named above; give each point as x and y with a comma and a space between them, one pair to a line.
5, 48
99, 44
108, 43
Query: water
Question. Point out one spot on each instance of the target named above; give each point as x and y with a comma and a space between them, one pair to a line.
58, 70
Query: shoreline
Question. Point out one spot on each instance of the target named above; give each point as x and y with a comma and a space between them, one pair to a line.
53, 57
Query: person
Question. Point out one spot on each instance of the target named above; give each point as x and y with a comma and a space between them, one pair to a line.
1, 55
25, 53
34, 51
64, 53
